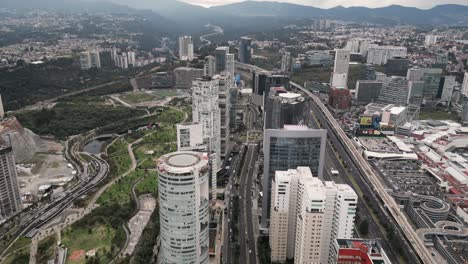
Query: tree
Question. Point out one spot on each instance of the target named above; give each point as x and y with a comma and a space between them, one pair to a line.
364, 227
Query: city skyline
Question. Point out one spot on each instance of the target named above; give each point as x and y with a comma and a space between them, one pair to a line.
333, 3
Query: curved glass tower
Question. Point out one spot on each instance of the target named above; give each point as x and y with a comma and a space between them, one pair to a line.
183, 200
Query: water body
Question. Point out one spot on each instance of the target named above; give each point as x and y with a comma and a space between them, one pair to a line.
95, 146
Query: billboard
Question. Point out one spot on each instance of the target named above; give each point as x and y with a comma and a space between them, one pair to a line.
365, 121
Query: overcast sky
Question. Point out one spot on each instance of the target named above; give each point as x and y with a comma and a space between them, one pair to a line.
346, 3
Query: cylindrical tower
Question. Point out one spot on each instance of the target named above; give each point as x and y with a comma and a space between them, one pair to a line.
183, 201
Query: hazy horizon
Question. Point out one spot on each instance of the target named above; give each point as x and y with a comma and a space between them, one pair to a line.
424, 4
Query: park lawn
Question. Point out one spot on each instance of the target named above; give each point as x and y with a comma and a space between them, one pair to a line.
163, 93
138, 97
20, 256
120, 192
149, 184
170, 116
118, 152
438, 115
98, 237
20, 243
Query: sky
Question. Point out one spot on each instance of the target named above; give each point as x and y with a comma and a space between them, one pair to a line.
332, 3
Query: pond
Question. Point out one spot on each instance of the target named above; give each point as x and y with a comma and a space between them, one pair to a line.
94, 146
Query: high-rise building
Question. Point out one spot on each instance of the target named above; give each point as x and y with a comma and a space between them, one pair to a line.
464, 89
430, 40
341, 69
369, 73
185, 48
209, 68
380, 54
190, 137
2, 109
245, 50
205, 111
220, 56
283, 108
417, 74
184, 77
416, 92
261, 82
358, 45
286, 61
395, 90
225, 85
122, 61
361, 251
464, 112
367, 91
397, 67
339, 98
90, 60
289, 148
448, 86
183, 207
131, 58
230, 64
307, 215
10, 197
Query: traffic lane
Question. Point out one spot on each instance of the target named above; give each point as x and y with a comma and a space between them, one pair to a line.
249, 209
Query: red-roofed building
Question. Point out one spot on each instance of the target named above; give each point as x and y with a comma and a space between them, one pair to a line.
359, 251
339, 99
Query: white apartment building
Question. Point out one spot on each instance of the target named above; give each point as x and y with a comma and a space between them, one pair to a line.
224, 96
358, 45
307, 215
185, 48
230, 63
380, 54
209, 68
286, 61
464, 88
430, 40
183, 207
341, 68
206, 112
190, 137
131, 58
90, 60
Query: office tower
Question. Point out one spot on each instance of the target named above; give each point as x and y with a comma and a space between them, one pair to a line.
183, 207
184, 77
220, 56
131, 58
395, 90
363, 251
464, 88
289, 148
430, 40
369, 73
464, 112
416, 92
190, 137
448, 86
397, 67
205, 111
225, 85
433, 85
230, 64
90, 60
185, 48
417, 74
316, 58
209, 68
341, 69
10, 197
245, 50
441, 61
367, 91
2, 109
261, 81
339, 98
380, 76
380, 54
283, 108
286, 61
307, 215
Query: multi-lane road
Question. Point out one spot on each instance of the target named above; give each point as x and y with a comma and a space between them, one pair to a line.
247, 241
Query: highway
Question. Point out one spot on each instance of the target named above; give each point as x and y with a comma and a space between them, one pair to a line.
247, 239
363, 169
